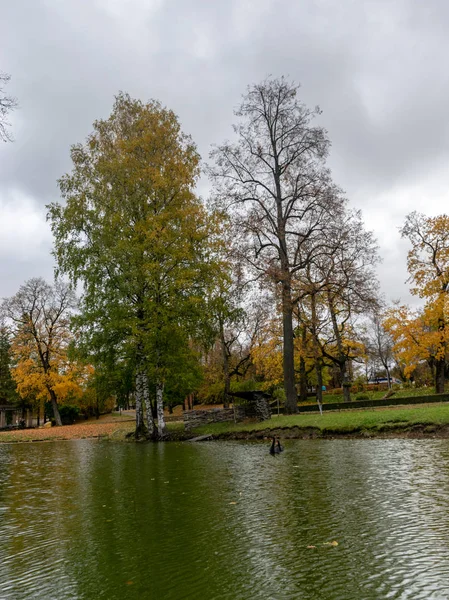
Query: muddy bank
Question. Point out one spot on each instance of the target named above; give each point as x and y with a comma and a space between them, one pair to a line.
387, 430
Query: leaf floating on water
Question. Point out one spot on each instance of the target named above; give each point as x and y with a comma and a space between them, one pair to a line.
233, 503
334, 543
129, 582
310, 547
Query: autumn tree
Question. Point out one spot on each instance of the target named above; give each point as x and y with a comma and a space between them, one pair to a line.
273, 182
7, 104
140, 241
339, 286
416, 336
428, 265
379, 343
40, 315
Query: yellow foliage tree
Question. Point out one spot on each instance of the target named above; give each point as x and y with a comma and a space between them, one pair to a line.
40, 315
417, 335
428, 265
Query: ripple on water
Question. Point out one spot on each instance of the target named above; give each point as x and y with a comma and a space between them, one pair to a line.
225, 520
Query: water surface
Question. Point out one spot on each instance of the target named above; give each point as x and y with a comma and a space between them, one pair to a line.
225, 520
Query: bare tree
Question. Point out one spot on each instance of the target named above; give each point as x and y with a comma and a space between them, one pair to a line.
380, 344
7, 104
273, 182
341, 278
41, 312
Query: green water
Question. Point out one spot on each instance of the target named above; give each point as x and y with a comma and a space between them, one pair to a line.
89, 519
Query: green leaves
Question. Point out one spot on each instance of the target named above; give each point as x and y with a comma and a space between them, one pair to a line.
135, 235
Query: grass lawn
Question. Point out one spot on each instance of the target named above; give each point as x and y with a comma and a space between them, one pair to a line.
402, 393
357, 421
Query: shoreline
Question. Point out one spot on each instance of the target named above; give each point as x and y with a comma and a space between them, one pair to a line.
417, 422
416, 431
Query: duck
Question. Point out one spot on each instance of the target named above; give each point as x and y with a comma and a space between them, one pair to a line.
276, 447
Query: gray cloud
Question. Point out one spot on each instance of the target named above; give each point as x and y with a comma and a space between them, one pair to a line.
377, 69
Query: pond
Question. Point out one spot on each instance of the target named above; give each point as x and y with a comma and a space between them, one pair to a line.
225, 520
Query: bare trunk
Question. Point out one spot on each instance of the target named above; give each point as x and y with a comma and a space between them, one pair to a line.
54, 405
346, 386
302, 369
160, 409
388, 376
342, 358
439, 375
317, 355
227, 378
302, 380
319, 383
291, 400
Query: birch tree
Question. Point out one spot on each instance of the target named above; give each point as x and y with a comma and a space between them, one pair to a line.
135, 235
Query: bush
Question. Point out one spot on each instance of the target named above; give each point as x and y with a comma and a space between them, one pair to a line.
363, 397
69, 414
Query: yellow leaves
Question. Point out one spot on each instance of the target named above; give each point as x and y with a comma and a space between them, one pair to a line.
332, 544
267, 357
421, 334
65, 377
428, 260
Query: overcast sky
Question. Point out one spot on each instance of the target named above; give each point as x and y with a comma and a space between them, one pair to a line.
377, 68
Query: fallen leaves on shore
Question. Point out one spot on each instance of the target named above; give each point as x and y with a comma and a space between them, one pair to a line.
91, 429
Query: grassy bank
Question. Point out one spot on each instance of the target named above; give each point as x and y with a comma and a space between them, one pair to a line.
423, 420
428, 420
407, 392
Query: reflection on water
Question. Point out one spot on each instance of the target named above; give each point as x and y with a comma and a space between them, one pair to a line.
225, 520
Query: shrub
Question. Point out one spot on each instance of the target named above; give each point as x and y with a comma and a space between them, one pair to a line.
69, 414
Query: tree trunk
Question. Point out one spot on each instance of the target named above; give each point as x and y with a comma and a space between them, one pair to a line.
147, 404
346, 386
139, 398
317, 354
160, 409
302, 380
291, 399
302, 369
54, 405
227, 378
388, 376
439, 375
342, 358
319, 382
